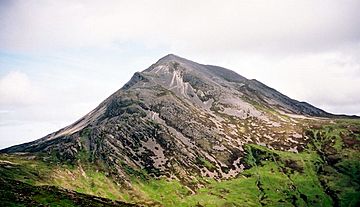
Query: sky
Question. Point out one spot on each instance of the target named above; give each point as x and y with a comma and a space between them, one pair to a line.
60, 59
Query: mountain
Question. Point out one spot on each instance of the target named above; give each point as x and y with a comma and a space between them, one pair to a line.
176, 111
194, 124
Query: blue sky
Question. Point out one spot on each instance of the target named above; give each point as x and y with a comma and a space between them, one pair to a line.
59, 59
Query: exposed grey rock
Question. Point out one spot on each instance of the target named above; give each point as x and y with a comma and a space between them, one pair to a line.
175, 113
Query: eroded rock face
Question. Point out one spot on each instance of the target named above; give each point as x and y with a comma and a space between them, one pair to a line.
180, 119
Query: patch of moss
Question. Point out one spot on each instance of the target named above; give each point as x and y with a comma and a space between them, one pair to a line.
205, 163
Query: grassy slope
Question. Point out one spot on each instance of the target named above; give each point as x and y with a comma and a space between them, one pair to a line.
17, 193
326, 173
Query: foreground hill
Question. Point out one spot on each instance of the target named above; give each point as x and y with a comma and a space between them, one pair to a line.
17, 193
183, 133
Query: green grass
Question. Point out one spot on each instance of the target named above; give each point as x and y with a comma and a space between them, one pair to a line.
50, 200
283, 183
269, 181
81, 178
17, 193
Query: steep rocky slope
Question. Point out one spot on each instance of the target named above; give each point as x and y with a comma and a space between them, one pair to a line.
182, 120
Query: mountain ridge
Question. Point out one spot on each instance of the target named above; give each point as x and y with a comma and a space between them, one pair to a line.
179, 129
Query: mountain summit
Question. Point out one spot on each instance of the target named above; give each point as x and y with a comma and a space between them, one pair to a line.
176, 111
183, 120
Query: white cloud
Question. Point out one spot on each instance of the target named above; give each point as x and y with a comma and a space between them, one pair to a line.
17, 89
200, 26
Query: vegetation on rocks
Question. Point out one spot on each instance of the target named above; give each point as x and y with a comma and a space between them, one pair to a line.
325, 173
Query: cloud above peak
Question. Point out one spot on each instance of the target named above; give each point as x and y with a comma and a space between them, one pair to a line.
276, 26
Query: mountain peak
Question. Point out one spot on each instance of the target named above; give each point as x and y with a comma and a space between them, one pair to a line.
191, 103
170, 57
171, 60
